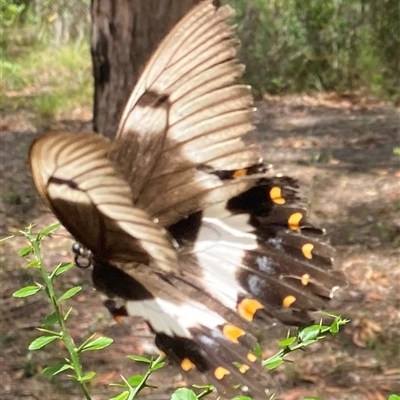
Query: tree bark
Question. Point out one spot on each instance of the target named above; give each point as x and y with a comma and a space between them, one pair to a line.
124, 35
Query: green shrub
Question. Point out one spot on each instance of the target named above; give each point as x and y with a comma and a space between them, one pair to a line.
294, 46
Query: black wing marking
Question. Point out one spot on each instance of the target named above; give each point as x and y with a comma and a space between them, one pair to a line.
193, 336
259, 255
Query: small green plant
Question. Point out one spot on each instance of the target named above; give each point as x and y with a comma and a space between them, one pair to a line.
304, 337
136, 383
58, 318
55, 329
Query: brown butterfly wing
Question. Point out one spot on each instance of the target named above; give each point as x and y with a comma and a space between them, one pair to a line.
76, 179
185, 119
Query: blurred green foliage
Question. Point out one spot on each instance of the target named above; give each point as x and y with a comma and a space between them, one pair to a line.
45, 57
287, 45
10, 11
341, 45
52, 22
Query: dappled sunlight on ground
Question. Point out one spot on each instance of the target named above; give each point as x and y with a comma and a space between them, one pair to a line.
343, 151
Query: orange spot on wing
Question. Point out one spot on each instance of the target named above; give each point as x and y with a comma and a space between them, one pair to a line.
248, 307
305, 279
288, 301
220, 372
117, 318
307, 250
251, 357
239, 173
187, 365
294, 221
232, 332
276, 195
244, 368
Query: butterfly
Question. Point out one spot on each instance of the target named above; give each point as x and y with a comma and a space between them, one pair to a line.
185, 224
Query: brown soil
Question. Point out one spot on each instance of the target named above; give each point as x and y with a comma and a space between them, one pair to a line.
343, 149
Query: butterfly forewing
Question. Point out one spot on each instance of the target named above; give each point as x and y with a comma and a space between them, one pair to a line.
191, 82
75, 177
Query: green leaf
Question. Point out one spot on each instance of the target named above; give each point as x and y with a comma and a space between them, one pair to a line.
135, 380
258, 351
334, 328
184, 394
61, 268
122, 396
33, 264
26, 291
25, 251
394, 397
96, 344
274, 364
140, 359
323, 330
309, 333
42, 341
50, 229
55, 369
69, 293
50, 320
274, 358
157, 366
87, 377
287, 342
241, 398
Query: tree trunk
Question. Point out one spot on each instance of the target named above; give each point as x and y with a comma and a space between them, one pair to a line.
124, 35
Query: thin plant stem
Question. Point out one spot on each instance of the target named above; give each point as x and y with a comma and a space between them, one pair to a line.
64, 336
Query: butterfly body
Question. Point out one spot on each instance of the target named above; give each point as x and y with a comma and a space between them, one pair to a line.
186, 225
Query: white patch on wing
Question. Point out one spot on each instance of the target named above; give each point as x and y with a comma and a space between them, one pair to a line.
266, 264
222, 227
255, 284
174, 319
220, 247
219, 274
276, 242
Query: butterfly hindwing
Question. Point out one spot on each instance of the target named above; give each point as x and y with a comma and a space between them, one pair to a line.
193, 336
254, 261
